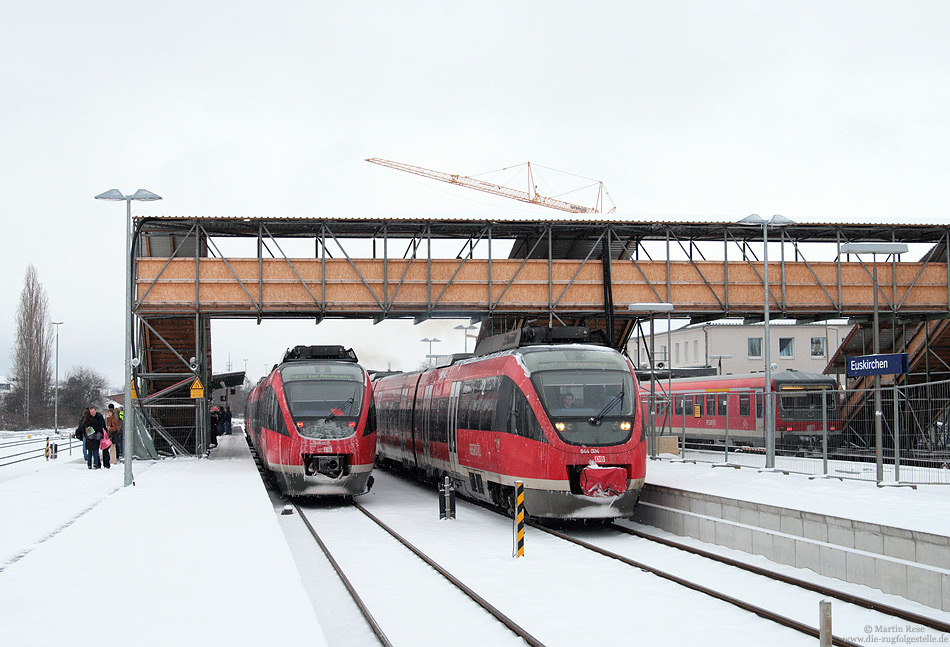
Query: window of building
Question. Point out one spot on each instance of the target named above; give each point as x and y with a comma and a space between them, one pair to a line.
817, 346
676, 352
786, 347
755, 346
695, 350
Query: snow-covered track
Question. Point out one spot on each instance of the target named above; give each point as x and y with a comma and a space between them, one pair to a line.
501, 621
370, 620
850, 598
479, 600
695, 586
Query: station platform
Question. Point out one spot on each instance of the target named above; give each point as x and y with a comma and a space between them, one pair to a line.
192, 554
893, 539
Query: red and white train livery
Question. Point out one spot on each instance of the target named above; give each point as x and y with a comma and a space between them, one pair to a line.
312, 421
563, 418
717, 407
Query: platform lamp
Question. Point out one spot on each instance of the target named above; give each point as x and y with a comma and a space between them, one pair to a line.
465, 330
874, 249
769, 414
56, 393
651, 309
430, 342
130, 427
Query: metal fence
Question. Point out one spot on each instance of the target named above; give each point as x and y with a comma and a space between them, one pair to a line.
838, 439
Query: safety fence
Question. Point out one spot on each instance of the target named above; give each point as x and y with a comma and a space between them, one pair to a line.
826, 432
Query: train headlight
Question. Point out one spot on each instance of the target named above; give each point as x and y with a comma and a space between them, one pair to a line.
625, 425
560, 426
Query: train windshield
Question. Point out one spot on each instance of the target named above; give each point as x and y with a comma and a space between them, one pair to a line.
804, 401
578, 385
324, 398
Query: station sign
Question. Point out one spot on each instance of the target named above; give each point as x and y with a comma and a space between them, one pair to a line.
877, 364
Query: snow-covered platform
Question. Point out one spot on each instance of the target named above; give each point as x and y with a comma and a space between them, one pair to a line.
191, 555
893, 539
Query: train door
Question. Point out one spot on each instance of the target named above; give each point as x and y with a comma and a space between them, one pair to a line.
426, 422
453, 426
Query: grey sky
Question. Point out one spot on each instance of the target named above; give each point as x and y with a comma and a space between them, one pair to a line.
815, 110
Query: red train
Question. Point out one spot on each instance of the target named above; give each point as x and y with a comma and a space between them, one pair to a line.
534, 406
312, 421
708, 408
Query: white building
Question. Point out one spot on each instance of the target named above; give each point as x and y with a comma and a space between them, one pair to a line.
738, 347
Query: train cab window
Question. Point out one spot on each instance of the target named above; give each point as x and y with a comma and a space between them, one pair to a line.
744, 404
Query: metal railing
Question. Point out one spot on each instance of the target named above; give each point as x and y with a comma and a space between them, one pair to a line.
837, 440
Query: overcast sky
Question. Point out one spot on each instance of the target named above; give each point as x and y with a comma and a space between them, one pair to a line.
814, 110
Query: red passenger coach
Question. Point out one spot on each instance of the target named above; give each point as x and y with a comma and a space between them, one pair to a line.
714, 408
312, 421
534, 406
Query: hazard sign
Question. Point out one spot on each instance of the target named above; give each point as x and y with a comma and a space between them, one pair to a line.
197, 390
134, 394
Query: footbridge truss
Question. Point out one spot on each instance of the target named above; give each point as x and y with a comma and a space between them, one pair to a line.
506, 273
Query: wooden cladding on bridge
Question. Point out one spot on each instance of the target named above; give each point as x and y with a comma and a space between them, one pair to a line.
398, 287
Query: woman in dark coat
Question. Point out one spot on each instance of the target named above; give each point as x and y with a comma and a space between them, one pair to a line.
97, 424
81, 433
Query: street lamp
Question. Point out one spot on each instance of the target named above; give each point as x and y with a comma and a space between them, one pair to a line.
769, 417
651, 309
430, 341
466, 329
874, 249
56, 392
143, 196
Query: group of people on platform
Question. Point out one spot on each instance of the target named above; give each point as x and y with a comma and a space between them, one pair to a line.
101, 436
220, 423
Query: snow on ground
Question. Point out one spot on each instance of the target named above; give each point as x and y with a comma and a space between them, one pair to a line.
193, 554
923, 509
175, 559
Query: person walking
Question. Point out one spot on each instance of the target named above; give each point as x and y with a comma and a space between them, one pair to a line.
226, 419
95, 430
81, 433
112, 425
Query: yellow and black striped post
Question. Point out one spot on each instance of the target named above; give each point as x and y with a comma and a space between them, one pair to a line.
518, 550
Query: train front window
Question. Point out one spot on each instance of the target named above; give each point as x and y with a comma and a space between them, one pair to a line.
324, 399
578, 385
805, 402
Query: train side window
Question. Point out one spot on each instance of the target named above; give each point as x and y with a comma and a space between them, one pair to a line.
710, 404
678, 404
521, 418
723, 404
758, 405
744, 408
697, 409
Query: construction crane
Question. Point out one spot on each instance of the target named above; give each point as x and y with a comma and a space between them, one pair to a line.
531, 196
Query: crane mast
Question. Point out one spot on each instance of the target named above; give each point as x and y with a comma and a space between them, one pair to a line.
531, 197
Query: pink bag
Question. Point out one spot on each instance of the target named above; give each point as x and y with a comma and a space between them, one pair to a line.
105, 443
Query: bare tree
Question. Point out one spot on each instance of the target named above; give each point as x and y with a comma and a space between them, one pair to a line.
33, 353
83, 386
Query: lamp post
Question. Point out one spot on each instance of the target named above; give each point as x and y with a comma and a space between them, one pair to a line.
465, 330
769, 409
56, 384
430, 342
651, 309
874, 249
129, 432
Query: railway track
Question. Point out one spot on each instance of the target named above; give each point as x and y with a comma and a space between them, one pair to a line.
760, 611
371, 621
858, 601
